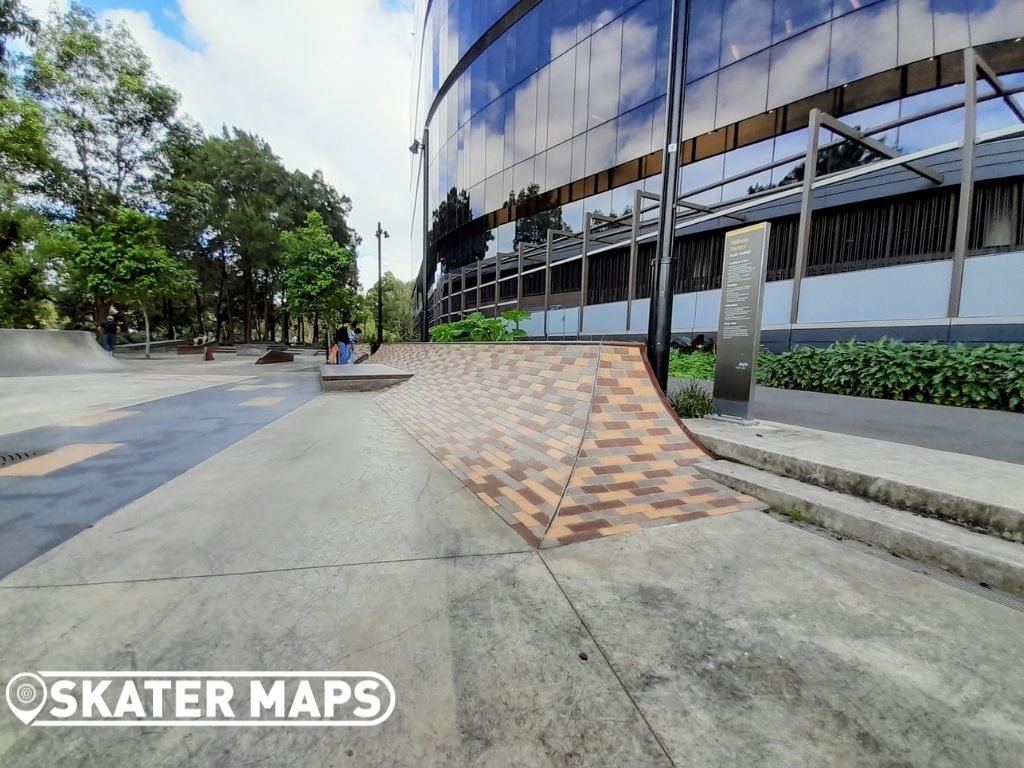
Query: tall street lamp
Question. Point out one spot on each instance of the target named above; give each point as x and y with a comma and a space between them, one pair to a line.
659, 326
380, 287
420, 148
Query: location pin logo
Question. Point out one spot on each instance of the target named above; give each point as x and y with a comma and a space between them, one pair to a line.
26, 696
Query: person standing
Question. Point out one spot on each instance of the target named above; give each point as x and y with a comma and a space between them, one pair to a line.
344, 345
353, 337
109, 329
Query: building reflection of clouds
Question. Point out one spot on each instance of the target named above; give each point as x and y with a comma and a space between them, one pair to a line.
583, 93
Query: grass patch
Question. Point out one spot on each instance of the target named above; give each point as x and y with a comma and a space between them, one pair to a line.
694, 365
691, 402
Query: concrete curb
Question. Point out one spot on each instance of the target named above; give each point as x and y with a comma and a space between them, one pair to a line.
975, 556
994, 517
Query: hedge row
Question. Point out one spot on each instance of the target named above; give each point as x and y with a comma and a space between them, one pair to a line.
991, 376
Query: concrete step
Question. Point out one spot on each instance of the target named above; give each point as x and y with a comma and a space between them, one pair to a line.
975, 556
367, 377
979, 493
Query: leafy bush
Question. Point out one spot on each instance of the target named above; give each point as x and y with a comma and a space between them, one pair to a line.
990, 376
477, 327
695, 365
691, 402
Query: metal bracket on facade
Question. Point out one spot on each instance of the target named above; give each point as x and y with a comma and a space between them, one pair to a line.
854, 135
681, 203
973, 65
816, 120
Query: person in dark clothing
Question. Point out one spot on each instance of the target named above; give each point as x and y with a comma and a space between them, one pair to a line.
344, 347
109, 329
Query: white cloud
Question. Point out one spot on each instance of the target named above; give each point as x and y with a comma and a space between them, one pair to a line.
326, 83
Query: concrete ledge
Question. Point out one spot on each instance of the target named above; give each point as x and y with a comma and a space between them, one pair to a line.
975, 556
366, 377
972, 491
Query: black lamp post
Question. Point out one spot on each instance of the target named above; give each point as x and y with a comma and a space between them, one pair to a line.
380, 287
420, 148
659, 327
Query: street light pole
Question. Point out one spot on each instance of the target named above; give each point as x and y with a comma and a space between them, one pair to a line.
659, 329
380, 287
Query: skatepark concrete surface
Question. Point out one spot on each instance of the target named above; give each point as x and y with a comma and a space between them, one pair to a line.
41, 353
316, 532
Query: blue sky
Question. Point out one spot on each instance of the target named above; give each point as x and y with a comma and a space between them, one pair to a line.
164, 13
325, 82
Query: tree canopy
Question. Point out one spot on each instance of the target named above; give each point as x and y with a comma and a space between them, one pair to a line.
108, 194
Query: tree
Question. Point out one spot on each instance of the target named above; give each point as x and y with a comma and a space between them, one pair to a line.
317, 271
24, 299
399, 309
124, 261
534, 229
105, 111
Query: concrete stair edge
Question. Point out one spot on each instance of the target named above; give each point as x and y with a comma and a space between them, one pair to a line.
1000, 520
975, 556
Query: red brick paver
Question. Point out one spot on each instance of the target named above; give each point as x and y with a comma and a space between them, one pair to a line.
566, 442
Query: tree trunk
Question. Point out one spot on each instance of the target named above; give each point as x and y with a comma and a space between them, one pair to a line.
199, 313
145, 318
247, 304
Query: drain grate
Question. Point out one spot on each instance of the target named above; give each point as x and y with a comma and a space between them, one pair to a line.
13, 457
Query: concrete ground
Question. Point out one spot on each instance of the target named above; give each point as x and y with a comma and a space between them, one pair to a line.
328, 538
989, 434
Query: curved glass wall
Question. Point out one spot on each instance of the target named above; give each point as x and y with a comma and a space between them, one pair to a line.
574, 87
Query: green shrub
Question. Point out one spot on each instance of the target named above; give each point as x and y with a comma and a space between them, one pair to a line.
990, 376
695, 365
478, 327
691, 402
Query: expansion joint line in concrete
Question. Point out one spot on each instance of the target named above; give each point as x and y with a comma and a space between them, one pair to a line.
579, 448
267, 571
607, 660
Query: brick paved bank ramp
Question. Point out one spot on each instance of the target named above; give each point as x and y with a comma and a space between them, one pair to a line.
565, 442
50, 353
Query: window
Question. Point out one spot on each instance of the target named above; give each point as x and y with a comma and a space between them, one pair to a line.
799, 67
863, 43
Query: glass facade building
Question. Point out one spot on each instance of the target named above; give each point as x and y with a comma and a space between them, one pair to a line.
537, 114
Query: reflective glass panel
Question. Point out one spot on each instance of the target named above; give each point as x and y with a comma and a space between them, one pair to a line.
562, 15
932, 131
639, 49
841, 7
705, 41
748, 158
742, 89
699, 107
799, 67
993, 20
863, 43
746, 28
792, 17
601, 147
605, 60
634, 134
559, 165
916, 37
580, 108
560, 98
579, 156
951, 25
494, 119
525, 120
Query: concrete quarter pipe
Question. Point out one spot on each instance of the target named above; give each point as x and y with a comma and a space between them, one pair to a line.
566, 442
47, 353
